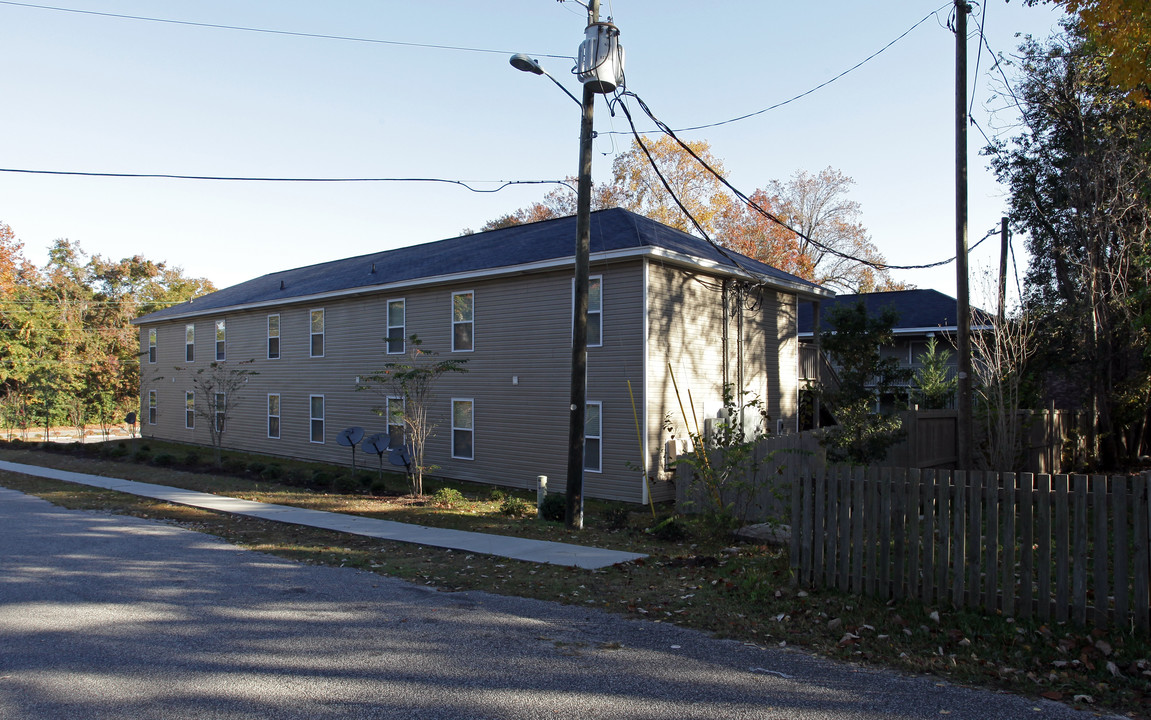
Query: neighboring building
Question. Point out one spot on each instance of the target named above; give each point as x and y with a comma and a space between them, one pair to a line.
503, 301
923, 314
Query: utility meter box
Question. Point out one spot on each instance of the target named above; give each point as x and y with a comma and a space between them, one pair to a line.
600, 63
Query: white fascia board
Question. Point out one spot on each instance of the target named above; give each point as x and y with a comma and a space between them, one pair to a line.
503, 271
946, 330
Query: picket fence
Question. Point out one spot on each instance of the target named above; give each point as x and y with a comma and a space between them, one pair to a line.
1057, 547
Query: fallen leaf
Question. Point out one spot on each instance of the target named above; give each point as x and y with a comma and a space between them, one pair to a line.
1052, 695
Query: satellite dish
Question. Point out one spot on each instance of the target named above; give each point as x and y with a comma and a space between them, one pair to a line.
377, 443
351, 436
401, 456
131, 419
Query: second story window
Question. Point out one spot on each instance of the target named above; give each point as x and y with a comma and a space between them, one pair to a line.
396, 326
595, 312
190, 342
463, 314
317, 324
152, 345
221, 341
273, 337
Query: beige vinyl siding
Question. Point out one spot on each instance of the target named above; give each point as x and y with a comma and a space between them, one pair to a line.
522, 330
686, 326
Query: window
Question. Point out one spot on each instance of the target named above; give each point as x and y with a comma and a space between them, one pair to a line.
462, 430
152, 345
221, 341
190, 342
463, 311
316, 414
273, 337
190, 410
396, 329
220, 410
317, 334
593, 437
151, 407
395, 417
595, 312
274, 416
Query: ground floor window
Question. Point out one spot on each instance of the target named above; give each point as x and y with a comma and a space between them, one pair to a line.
151, 407
316, 415
274, 416
463, 423
220, 411
593, 437
190, 410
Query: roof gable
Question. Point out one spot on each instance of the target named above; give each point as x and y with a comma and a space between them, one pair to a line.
917, 309
612, 230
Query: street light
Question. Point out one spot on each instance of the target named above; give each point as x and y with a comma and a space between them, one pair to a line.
522, 62
601, 71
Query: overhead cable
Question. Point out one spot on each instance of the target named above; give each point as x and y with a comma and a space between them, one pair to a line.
266, 31
168, 176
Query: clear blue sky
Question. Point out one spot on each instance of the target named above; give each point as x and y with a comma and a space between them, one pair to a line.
92, 93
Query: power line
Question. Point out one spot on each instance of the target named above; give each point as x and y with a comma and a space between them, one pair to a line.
804, 94
266, 31
757, 208
172, 176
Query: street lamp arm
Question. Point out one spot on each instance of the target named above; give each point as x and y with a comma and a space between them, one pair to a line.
522, 62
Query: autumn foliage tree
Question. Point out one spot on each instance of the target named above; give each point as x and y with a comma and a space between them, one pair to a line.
831, 246
67, 346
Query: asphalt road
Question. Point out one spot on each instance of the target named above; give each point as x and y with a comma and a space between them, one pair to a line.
104, 616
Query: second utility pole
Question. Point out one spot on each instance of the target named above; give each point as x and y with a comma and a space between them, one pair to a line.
573, 514
963, 304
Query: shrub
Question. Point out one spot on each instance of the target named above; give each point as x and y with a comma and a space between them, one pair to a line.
320, 478
272, 471
234, 465
365, 479
513, 506
191, 459
448, 497
617, 518
554, 507
497, 494
345, 483
255, 468
164, 460
379, 487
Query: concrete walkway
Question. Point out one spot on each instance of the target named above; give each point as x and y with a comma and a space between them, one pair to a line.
540, 551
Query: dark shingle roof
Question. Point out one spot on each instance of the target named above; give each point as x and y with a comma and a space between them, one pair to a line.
916, 308
541, 242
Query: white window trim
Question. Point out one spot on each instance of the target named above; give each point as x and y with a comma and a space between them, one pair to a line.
219, 325
471, 322
190, 347
312, 334
388, 417
152, 407
219, 416
152, 346
268, 332
403, 336
590, 312
189, 395
599, 464
279, 411
472, 429
311, 419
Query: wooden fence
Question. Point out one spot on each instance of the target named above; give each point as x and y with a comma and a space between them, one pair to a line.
1057, 547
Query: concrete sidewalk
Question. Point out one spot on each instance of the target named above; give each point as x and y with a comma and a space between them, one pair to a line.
540, 551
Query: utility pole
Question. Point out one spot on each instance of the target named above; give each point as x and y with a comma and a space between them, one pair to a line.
573, 515
1003, 237
963, 303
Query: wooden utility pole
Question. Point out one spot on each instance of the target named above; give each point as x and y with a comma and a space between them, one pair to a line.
1003, 236
573, 515
963, 304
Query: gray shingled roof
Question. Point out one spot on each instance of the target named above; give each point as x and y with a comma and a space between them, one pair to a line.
550, 240
917, 309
